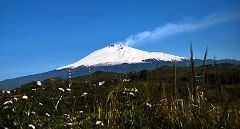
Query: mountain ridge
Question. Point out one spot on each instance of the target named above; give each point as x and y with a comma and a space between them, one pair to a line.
118, 54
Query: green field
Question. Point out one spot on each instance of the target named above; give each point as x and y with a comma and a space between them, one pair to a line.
166, 97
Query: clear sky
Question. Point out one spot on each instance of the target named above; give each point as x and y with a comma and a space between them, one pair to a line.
42, 35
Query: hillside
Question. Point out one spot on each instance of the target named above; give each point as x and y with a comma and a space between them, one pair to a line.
123, 100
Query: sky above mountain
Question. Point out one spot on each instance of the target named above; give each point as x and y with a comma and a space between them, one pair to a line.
41, 35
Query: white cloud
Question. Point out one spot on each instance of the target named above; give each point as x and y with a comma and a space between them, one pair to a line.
176, 28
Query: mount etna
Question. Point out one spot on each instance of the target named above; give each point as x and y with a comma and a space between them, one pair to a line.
112, 58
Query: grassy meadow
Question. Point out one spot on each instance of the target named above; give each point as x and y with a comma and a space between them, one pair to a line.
206, 97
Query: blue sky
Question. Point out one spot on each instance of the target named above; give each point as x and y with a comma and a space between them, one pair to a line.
41, 35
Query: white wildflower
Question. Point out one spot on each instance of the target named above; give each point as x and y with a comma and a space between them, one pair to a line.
27, 113
134, 90
131, 93
33, 89
39, 83
8, 102
40, 104
68, 89
84, 94
66, 115
81, 112
148, 104
8, 92
101, 83
31, 126
16, 99
47, 114
34, 113
24, 97
126, 80
69, 124
99, 123
61, 89
6, 107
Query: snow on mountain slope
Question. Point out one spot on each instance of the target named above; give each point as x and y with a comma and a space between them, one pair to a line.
119, 54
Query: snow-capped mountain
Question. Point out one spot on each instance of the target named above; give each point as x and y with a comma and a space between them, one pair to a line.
119, 54
113, 58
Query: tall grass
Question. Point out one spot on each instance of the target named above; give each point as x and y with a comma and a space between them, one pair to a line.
204, 67
193, 86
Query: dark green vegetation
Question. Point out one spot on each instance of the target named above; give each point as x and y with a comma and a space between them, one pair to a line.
166, 97
121, 68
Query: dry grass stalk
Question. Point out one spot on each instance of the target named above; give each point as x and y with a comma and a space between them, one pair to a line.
204, 67
193, 73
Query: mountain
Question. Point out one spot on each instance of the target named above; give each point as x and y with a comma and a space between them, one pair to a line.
112, 58
119, 54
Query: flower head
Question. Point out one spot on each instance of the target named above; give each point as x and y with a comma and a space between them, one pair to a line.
47, 114
101, 83
31, 126
39, 83
69, 124
148, 104
131, 93
25, 97
84, 94
61, 89
7, 102
68, 89
99, 123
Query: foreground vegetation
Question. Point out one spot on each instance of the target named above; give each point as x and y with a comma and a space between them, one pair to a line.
166, 97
